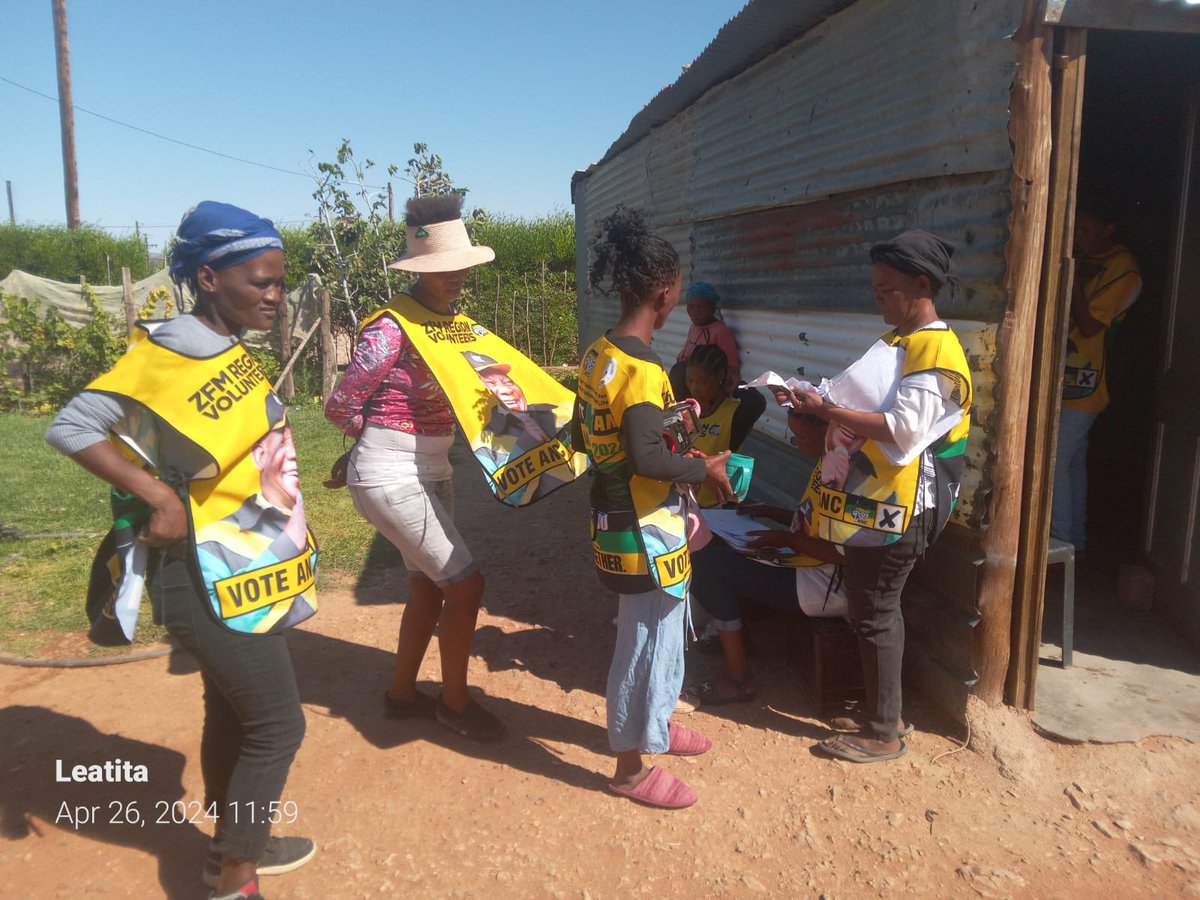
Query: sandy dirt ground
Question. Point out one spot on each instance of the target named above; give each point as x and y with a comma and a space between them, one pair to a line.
406, 809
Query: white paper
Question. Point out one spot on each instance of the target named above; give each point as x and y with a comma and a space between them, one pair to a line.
736, 528
770, 379
869, 383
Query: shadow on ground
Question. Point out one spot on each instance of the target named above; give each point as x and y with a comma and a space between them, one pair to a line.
36, 737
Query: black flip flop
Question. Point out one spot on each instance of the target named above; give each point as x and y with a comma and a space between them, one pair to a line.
841, 747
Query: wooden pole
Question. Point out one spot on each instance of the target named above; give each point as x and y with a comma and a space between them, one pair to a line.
328, 353
287, 370
391, 204
12, 217
1029, 131
1047, 371
127, 298
285, 385
66, 112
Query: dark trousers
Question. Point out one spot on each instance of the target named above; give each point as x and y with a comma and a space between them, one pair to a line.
875, 578
722, 578
253, 722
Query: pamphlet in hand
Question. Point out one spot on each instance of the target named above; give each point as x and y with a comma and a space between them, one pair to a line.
734, 528
774, 379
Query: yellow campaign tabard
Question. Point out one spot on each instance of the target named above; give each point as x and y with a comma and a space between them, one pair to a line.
516, 418
619, 563
870, 500
240, 594
653, 541
1111, 283
246, 511
713, 433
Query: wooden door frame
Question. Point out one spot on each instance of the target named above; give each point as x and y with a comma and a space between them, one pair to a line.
1046, 372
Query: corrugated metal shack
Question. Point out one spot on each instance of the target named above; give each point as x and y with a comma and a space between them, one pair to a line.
810, 129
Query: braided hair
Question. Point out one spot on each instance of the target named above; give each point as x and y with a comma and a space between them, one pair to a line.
711, 359
635, 262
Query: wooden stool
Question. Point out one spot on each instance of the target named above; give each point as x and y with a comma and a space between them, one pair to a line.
824, 653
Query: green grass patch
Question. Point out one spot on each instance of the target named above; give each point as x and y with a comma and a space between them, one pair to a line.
43, 580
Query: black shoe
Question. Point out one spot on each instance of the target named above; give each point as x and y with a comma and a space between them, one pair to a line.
283, 854
473, 722
421, 706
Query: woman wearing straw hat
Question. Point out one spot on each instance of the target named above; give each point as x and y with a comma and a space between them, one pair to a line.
399, 471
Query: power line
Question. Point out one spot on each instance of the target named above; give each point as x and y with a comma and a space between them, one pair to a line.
163, 137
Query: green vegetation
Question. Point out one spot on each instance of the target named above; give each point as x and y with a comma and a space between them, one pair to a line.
52, 360
53, 251
43, 580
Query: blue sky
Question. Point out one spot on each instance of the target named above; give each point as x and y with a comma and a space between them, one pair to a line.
515, 96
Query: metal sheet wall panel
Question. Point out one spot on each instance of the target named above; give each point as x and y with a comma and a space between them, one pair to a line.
874, 95
816, 255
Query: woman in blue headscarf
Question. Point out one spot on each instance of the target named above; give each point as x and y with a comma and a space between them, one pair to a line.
186, 423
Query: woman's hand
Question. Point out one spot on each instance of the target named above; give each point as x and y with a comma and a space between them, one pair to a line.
168, 523
715, 477
337, 472
809, 402
770, 538
784, 395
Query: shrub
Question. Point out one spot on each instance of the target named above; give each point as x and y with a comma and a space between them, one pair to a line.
57, 252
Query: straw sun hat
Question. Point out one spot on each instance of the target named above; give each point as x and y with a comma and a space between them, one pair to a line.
441, 247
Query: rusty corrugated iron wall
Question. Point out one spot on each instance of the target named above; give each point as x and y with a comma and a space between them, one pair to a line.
773, 183
890, 114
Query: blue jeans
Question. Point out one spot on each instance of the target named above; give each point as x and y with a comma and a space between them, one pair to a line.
1068, 512
646, 672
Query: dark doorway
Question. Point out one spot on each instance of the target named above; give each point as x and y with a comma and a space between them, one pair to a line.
1134, 672
1135, 98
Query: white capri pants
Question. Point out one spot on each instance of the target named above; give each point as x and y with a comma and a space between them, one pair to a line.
401, 484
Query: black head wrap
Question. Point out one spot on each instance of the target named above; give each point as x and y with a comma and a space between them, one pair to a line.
918, 253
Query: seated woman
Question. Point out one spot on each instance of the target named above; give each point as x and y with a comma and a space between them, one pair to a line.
725, 421
709, 328
724, 578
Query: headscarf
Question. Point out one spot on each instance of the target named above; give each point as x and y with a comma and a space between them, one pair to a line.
218, 235
918, 253
704, 291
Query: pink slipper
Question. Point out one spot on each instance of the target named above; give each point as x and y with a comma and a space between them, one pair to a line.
685, 742
660, 788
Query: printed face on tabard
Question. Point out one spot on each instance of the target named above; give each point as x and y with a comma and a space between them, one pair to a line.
507, 391
275, 456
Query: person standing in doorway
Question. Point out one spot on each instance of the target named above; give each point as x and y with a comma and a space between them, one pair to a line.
1107, 282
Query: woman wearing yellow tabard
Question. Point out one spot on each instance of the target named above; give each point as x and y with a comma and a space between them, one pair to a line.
889, 478
216, 469
639, 512
724, 420
399, 471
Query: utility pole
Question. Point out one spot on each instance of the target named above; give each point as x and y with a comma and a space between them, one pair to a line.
66, 112
12, 218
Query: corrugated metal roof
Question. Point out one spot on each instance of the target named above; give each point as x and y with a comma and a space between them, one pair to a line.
762, 27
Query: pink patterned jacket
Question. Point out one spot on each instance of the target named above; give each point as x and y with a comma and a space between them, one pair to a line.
388, 384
